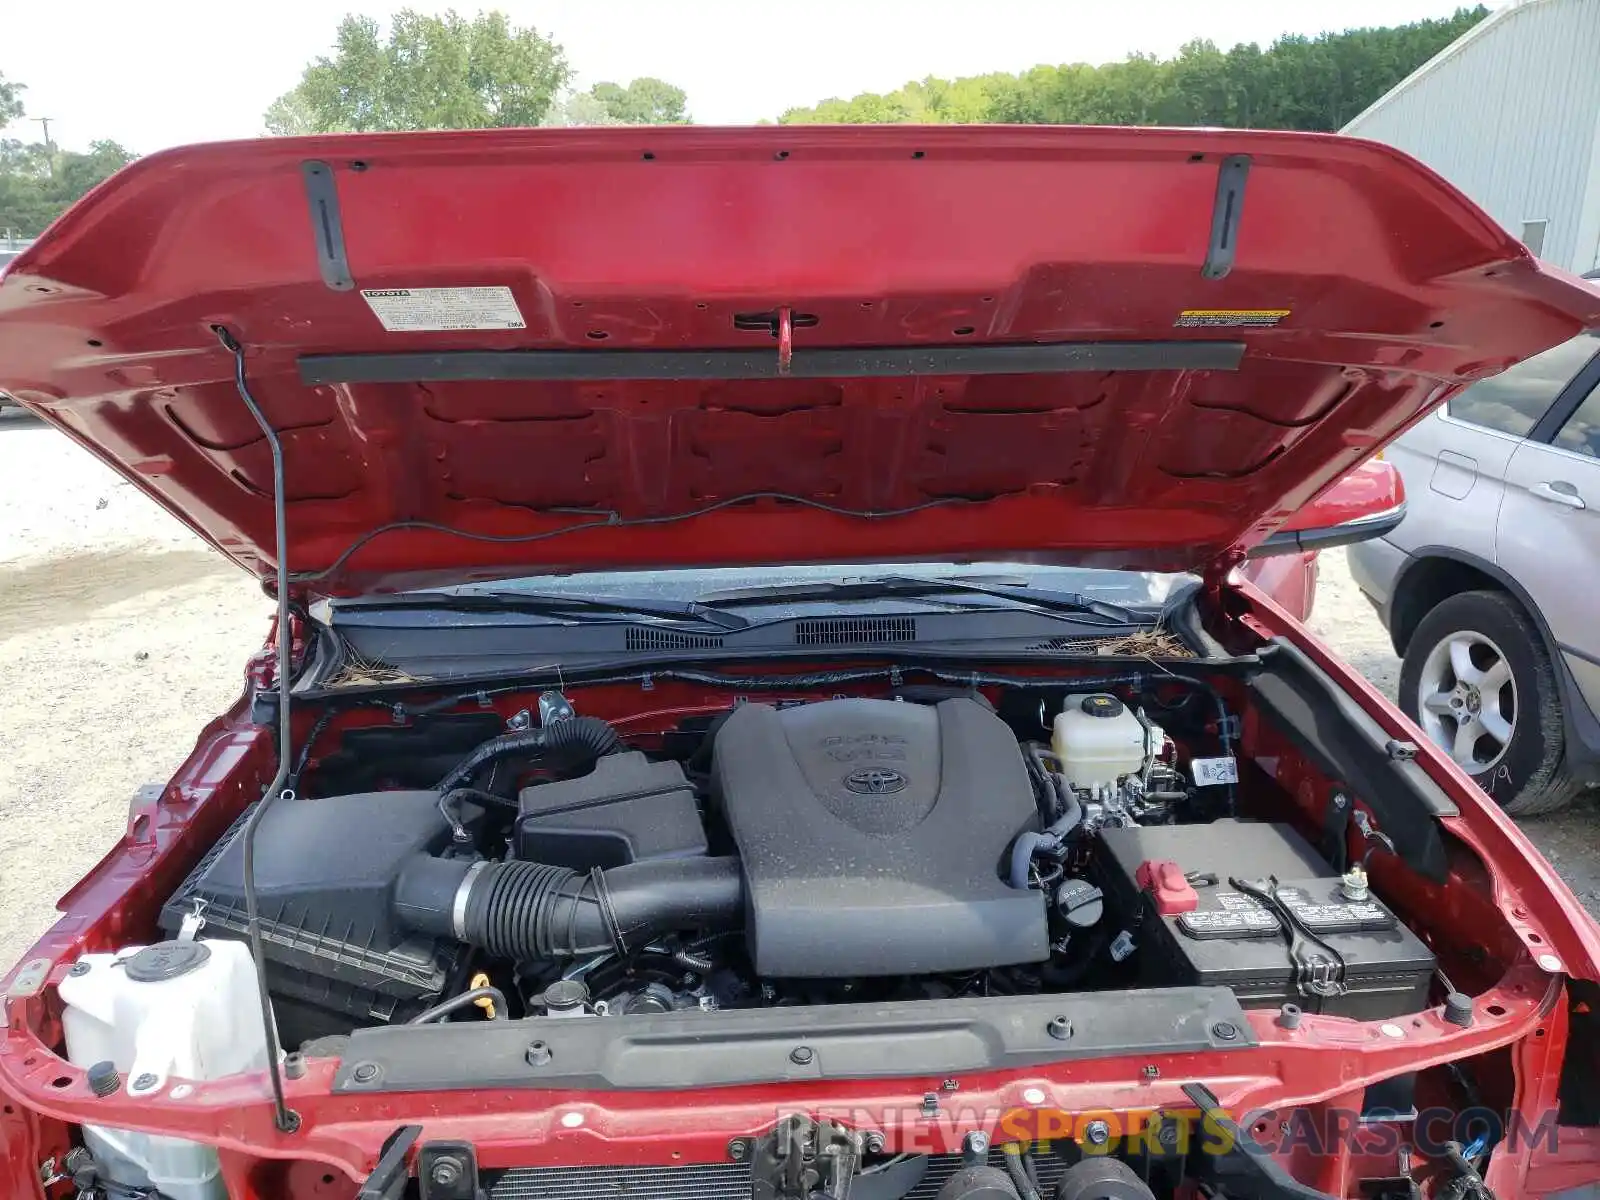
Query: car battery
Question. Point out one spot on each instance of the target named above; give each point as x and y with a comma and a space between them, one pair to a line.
1302, 941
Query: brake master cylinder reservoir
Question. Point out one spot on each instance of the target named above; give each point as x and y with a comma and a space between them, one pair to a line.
175, 1011
1098, 740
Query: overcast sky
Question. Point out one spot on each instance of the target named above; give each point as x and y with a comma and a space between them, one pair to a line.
165, 72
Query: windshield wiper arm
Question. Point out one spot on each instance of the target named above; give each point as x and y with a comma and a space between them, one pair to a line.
890, 586
555, 605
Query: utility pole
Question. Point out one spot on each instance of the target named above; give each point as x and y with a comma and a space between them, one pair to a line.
49, 146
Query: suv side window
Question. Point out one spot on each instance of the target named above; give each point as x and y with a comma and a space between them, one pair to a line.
1581, 433
1514, 400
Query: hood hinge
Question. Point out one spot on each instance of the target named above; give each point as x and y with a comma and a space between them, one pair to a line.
1215, 575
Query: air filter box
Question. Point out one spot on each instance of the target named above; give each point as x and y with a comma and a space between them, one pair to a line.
324, 871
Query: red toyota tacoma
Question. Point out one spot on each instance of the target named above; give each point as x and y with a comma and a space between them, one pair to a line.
765, 701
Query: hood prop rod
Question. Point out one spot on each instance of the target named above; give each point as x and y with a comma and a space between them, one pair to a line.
286, 1119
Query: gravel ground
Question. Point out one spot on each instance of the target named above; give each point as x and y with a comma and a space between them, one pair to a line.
121, 635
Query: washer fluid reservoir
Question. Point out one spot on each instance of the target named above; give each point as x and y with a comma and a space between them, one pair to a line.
1098, 740
172, 1011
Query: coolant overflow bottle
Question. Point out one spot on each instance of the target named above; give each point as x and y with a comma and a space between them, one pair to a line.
186, 1010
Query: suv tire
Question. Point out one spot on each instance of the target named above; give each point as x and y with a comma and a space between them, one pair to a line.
1529, 775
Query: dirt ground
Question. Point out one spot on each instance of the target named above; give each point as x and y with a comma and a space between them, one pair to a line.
121, 635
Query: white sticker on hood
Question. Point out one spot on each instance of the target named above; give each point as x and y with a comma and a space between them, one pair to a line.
411, 310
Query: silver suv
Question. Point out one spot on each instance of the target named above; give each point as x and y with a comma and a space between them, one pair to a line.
1490, 587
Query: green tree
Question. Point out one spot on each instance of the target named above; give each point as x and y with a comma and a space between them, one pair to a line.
1296, 83
429, 72
36, 187
10, 101
645, 101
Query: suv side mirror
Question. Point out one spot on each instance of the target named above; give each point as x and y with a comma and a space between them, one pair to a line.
1367, 503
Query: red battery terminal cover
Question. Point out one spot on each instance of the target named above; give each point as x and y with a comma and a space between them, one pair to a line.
1164, 880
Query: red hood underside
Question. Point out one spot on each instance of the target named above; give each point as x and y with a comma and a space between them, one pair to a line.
1389, 285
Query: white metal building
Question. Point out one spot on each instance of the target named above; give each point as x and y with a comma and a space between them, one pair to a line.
1510, 113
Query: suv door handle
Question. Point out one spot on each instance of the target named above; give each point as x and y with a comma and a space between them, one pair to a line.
1559, 491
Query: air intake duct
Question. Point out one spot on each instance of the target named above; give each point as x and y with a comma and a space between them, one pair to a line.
529, 911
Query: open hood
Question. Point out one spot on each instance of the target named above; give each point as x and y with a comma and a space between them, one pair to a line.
512, 352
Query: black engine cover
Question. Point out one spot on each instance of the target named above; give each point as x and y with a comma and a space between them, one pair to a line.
872, 834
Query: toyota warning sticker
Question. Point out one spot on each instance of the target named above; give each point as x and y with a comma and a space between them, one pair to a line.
414, 310
1230, 318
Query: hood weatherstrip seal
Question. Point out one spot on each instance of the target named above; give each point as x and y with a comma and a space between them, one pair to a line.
286, 1119
866, 362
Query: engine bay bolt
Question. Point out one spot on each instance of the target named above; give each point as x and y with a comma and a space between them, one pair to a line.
539, 1054
873, 1142
294, 1065
930, 1104
364, 1072
1097, 1133
1225, 1031
79, 968
104, 1080
1458, 1009
737, 1149
1519, 912
143, 1083
445, 1172
801, 1055
1059, 1028
975, 1147
1289, 1016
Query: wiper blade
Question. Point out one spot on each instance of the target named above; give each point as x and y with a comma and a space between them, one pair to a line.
623, 608
891, 586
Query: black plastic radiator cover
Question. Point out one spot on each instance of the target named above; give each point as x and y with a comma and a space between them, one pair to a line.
679, 1050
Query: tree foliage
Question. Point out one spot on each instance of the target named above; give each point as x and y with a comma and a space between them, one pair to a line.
428, 72
645, 101
1298, 82
39, 182
10, 101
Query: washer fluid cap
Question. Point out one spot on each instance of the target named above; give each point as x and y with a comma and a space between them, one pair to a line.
1101, 705
166, 960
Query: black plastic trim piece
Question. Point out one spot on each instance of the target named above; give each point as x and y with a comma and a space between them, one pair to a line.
866, 362
1231, 1164
1226, 212
1581, 725
389, 1175
1348, 533
1351, 749
673, 1051
322, 195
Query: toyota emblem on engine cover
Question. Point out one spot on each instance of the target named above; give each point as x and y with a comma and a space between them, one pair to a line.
875, 781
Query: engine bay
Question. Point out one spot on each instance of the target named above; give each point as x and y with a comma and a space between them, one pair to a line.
925, 843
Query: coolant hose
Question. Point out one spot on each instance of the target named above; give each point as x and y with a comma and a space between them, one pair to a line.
1055, 834
589, 735
523, 911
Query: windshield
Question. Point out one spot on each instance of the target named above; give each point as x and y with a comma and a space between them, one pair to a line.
1134, 588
